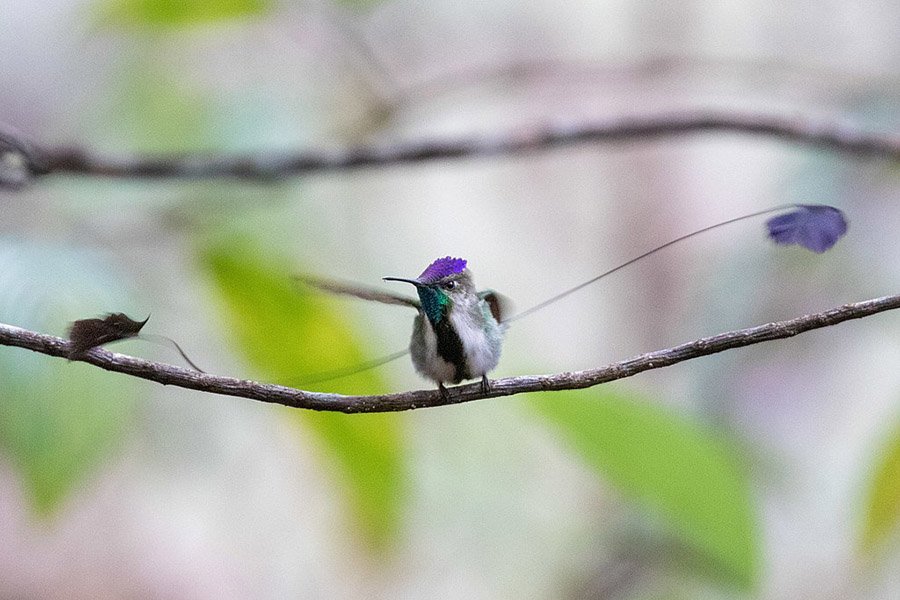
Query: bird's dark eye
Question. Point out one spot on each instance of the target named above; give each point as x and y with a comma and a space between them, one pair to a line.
449, 285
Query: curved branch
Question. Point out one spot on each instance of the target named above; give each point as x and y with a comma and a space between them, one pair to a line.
819, 132
277, 394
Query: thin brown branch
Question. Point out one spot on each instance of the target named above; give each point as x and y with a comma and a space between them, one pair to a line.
276, 394
818, 132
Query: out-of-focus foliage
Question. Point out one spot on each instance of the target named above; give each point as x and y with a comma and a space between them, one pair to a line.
159, 114
882, 505
687, 474
285, 333
174, 13
58, 420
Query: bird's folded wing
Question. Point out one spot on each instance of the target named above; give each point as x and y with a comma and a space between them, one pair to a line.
357, 291
500, 305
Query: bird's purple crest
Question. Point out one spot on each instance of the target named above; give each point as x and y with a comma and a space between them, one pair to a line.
816, 227
441, 268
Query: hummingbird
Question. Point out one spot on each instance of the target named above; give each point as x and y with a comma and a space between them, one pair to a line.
458, 331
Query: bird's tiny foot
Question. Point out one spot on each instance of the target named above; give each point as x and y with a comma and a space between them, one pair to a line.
445, 393
485, 384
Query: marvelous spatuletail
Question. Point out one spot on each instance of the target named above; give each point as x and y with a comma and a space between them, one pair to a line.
458, 333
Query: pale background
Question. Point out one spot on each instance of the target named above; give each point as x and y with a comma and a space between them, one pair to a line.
211, 497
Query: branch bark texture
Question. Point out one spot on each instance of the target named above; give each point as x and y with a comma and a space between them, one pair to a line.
33, 161
172, 375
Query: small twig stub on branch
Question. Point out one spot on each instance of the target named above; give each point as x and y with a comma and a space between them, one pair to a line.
90, 333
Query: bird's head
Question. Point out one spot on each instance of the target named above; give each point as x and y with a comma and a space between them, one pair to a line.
441, 285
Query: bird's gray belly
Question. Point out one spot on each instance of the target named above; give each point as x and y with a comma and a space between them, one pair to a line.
437, 352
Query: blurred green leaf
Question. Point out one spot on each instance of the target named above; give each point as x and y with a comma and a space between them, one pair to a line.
685, 473
285, 333
882, 506
176, 13
158, 113
59, 425
58, 420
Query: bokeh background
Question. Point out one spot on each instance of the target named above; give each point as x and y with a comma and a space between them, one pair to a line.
767, 472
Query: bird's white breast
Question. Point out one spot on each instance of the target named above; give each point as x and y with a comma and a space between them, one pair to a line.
480, 341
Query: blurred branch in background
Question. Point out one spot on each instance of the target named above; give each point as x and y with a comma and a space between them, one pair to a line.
21, 161
647, 72
172, 375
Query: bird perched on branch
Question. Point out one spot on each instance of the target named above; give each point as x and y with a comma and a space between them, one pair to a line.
458, 333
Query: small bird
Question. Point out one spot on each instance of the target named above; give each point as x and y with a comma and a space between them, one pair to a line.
458, 333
